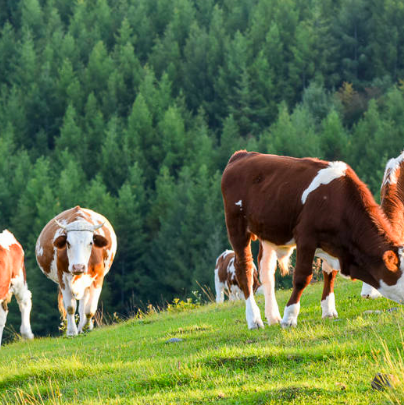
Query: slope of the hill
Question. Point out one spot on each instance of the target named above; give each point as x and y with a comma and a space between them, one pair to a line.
218, 360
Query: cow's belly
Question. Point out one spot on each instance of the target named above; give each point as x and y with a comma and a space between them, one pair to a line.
333, 262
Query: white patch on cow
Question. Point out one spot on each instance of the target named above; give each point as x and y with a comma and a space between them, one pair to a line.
283, 253
7, 239
393, 292
3, 318
53, 270
369, 292
219, 287
333, 262
267, 275
224, 254
260, 290
78, 284
231, 269
24, 298
79, 245
325, 176
390, 173
240, 204
252, 312
328, 307
290, 315
59, 231
235, 293
38, 248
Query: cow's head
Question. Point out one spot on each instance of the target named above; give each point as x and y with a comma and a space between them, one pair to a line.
391, 275
78, 239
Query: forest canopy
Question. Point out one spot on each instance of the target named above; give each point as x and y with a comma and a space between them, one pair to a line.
133, 107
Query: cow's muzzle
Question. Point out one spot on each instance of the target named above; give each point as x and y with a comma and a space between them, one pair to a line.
78, 269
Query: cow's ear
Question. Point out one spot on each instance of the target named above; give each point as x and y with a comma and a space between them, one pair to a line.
391, 260
100, 241
60, 242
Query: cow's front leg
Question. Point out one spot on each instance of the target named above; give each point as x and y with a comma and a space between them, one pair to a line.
82, 307
267, 266
328, 297
69, 303
301, 279
3, 316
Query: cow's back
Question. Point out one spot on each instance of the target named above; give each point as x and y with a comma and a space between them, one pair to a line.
267, 190
52, 262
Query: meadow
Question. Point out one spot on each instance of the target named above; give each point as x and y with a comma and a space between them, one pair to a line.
218, 359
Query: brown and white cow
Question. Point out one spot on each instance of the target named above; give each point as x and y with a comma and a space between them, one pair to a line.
76, 250
225, 278
392, 203
13, 281
320, 208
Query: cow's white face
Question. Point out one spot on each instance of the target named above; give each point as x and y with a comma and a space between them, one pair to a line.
79, 245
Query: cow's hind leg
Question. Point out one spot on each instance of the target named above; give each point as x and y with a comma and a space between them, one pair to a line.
23, 296
267, 265
244, 272
328, 297
83, 303
90, 307
301, 279
69, 303
219, 287
3, 316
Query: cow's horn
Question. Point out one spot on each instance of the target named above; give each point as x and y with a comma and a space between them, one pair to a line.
60, 225
95, 227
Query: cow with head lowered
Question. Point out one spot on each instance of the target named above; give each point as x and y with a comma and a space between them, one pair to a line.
76, 250
225, 278
318, 208
392, 203
13, 281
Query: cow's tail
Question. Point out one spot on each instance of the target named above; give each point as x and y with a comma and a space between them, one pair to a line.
61, 307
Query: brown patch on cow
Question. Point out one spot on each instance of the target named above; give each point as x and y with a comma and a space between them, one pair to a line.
61, 306
70, 310
11, 264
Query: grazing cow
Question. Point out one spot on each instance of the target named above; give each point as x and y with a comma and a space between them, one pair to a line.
320, 208
13, 281
76, 250
392, 203
225, 278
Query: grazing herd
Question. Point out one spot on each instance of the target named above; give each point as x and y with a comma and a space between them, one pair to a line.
318, 208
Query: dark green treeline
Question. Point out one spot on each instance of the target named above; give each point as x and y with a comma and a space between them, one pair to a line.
133, 107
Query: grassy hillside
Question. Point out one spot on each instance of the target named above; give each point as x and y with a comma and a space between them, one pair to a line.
218, 361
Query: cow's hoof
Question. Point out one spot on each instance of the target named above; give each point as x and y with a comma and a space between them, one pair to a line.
330, 316
257, 324
27, 336
274, 321
288, 324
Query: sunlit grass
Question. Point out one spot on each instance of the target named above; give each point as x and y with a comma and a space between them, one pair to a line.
218, 360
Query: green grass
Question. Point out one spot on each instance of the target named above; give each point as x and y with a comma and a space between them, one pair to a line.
219, 360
